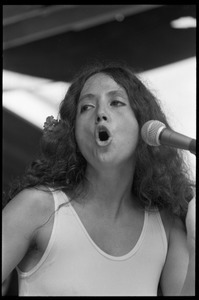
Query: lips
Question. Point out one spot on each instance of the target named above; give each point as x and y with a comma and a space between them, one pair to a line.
102, 135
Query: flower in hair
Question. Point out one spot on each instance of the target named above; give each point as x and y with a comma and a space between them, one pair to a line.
50, 124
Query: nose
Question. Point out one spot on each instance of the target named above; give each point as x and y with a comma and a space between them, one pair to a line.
102, 112
101, 117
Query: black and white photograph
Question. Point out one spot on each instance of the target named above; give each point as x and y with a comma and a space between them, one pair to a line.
99, 150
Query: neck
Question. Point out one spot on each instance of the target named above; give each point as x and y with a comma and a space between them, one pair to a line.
110, 189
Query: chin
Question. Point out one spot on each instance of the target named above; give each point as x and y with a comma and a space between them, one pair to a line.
113, 161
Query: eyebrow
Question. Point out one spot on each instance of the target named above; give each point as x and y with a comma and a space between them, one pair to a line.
111, 93
120, 93
87, 96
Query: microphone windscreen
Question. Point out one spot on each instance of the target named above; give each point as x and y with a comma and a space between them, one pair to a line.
150, 132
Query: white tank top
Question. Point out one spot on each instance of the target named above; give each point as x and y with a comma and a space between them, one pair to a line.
73, 264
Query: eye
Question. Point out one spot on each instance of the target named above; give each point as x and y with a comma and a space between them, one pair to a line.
85, 107
117, 103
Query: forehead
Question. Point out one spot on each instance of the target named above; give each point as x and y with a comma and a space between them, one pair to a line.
100, 82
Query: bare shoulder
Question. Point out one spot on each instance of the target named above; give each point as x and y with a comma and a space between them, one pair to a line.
33, 196
35, 203
171, 223
21, 218
167, 220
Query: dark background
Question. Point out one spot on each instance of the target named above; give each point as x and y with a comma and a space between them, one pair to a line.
54, 41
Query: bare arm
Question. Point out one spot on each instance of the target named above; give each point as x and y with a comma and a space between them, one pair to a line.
189, 284
20, 219
178, 276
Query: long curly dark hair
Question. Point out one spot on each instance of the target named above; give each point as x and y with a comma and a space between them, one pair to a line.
161, 178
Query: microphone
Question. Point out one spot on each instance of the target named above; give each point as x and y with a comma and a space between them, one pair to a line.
155, 133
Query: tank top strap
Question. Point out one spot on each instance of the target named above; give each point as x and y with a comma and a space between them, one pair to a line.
156, 217
58, 197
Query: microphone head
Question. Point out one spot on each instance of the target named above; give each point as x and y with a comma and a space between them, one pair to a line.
150, 132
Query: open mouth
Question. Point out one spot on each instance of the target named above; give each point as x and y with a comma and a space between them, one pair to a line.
103, 136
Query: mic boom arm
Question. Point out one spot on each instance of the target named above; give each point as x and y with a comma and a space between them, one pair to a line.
172, 138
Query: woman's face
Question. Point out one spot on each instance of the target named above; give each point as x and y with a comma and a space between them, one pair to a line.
106, 128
